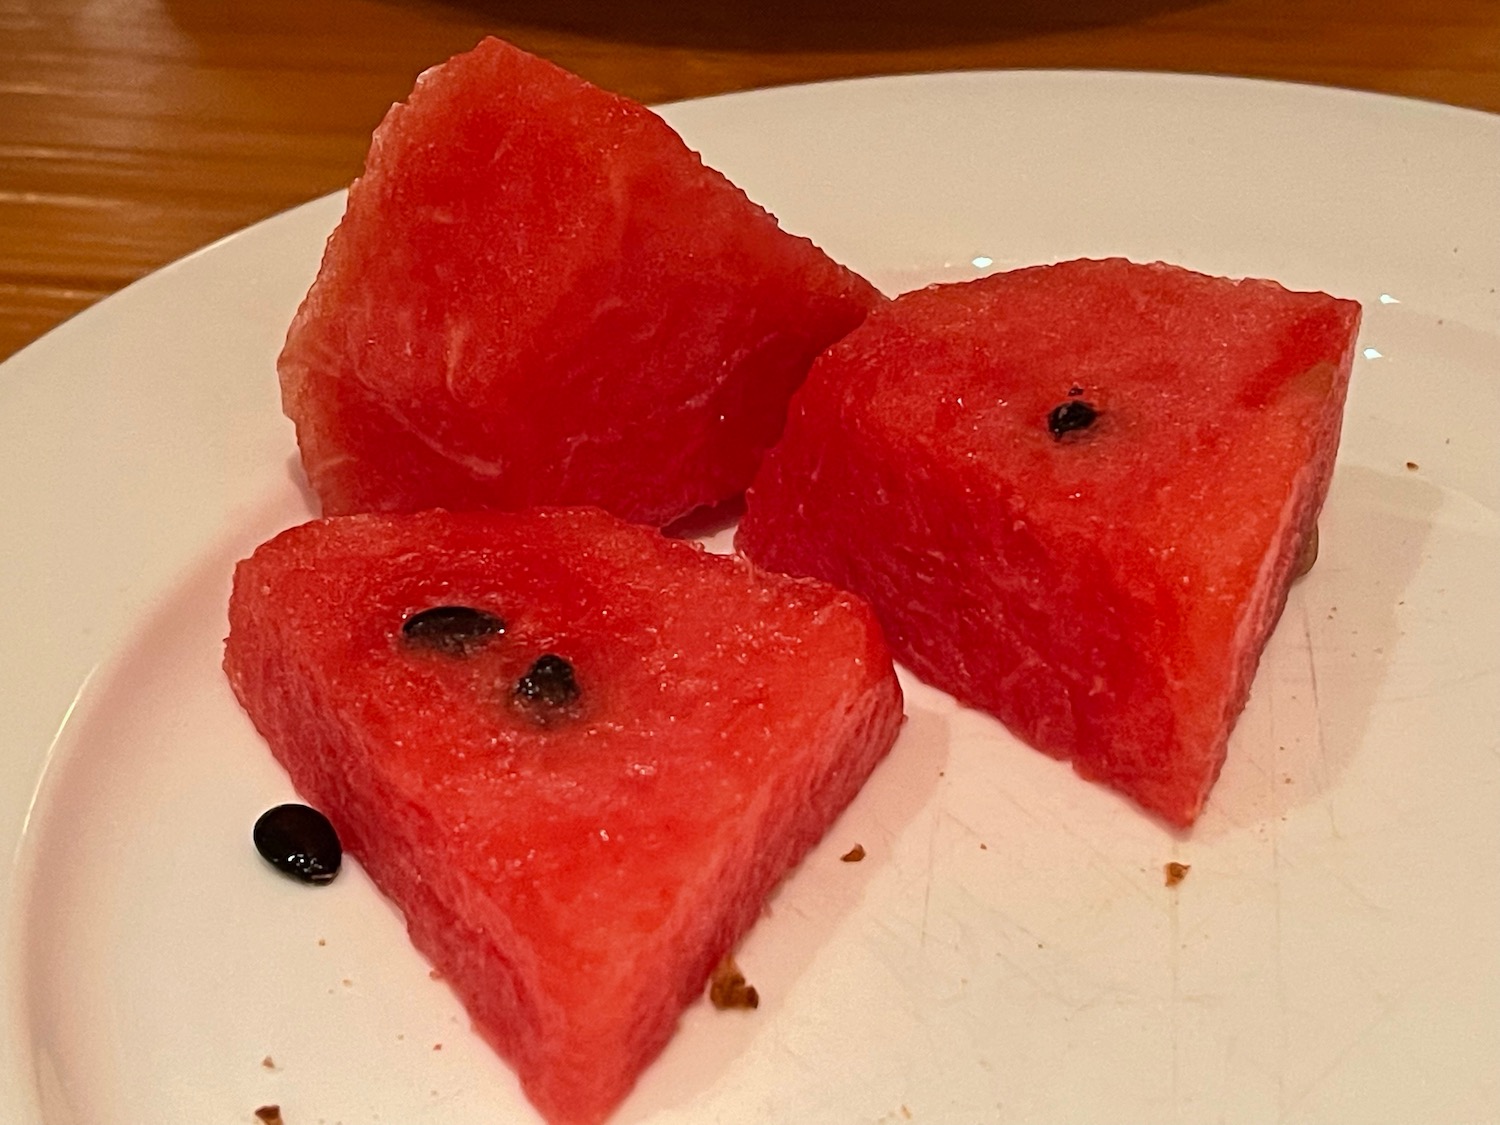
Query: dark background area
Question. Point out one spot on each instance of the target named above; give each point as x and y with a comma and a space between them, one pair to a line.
134, 131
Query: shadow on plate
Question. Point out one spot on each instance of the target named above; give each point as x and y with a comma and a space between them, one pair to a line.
1322, 674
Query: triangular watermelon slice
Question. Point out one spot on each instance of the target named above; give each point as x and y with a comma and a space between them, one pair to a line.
577, 754
1074, 496
539, 295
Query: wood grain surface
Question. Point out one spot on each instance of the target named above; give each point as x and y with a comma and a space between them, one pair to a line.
134, 131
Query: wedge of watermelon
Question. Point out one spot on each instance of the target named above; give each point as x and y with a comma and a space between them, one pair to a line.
539, 295
1074, 495
577, 754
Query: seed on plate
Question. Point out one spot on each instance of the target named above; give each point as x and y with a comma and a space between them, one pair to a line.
300, 842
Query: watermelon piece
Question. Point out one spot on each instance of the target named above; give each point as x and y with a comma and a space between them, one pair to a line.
575, 863
539, 295
1104, 587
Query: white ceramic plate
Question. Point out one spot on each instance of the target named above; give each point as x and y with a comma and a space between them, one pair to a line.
1008, 951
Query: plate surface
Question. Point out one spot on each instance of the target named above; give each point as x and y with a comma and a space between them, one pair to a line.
1008, 950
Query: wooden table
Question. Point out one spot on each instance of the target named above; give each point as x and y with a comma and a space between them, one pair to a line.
133, 131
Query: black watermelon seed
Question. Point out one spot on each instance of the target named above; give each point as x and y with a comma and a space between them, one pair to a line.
1074, 391
299, 841
548, 689
456, 630
1075, 414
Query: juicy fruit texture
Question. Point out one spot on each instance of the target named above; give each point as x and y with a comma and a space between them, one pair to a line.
539, 295
575, 879
1105, 589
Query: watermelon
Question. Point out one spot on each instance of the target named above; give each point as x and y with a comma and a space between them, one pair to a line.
578, 755
539, 295
1074, 495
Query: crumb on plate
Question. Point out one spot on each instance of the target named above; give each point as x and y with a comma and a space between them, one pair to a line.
727, 987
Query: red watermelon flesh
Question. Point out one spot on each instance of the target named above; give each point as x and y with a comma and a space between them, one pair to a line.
539, 295
575, 875
1106, 593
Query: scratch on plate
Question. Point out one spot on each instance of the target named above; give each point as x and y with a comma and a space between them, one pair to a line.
1110, 862
1312, 672
1467, 680
967, 828
927, 887
1312, 676
1281, 997
1053, 987
1386, 1007
1175, 930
